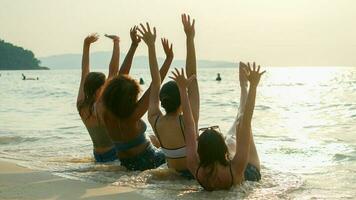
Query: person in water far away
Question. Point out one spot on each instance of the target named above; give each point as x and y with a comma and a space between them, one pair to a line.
218, 78
212, 167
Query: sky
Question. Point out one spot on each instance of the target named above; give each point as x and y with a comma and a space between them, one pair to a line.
270, 32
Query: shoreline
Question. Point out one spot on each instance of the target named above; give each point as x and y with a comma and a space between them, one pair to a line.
17, 182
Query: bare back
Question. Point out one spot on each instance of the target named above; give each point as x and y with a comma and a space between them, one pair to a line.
121, 130
169, 131
221, 177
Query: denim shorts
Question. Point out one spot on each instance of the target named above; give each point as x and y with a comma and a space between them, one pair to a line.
150, 158
186, 174
252, 173
108, 156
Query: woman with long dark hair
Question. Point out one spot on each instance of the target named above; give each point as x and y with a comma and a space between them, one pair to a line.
208, 158
121, 110
90, 89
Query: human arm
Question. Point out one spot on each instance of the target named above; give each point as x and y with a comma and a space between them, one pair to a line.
127, 63
153, 110
149, 38
231, 139
191, 66
243, 132
115, 58
189, 124
85, 64
143, 103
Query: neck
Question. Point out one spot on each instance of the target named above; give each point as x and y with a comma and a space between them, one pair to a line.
176, 113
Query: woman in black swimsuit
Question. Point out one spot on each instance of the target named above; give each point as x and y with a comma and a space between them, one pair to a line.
208, 158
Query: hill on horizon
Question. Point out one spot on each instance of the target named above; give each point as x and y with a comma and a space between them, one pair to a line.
101, 59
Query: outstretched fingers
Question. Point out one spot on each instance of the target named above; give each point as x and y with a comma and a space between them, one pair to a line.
148, 27
143, 28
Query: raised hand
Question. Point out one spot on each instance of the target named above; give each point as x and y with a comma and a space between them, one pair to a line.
189, 28
180, 79
135, 39
146, 35
253, 74
115, 38
91, 38
168, 49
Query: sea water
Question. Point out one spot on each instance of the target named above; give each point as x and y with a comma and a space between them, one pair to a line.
304, 126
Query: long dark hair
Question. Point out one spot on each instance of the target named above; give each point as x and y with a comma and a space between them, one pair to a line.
212, 149
120, 96
170, 96
93, 81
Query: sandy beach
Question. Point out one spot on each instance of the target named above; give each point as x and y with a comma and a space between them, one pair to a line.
18, 182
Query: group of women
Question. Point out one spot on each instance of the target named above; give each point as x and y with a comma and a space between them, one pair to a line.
112, 112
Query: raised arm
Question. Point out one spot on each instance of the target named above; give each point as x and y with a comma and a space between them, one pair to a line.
243, 132
115, 58
85, 64
153, 109
143, 103
243, 97
189, 124
135, 40
149, 38
191, 66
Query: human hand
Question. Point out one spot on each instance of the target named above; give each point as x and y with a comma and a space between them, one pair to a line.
91, 38
189, 28
180, 79
146, 35
168, 49
115, 38
135, 39
253, 74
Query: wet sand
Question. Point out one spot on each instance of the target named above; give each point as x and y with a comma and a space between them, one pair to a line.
18, 182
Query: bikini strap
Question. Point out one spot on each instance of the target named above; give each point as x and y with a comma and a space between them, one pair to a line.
97, 114
200, 183
181, 126
156, 132
232, 176
155, 125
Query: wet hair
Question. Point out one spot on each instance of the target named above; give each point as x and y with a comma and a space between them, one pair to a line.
212, 149
93, 82
120, 96
170, 97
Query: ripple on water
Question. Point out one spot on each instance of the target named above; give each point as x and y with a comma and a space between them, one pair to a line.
166, 184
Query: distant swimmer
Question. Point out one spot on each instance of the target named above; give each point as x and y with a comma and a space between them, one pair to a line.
24, 78
218, 78
142, 82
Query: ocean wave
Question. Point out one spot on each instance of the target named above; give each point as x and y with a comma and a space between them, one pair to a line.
350, 156
262, 107
286, 84
16, 139
68, 127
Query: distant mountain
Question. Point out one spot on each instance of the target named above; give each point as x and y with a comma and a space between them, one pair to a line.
17, 58
102, 59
